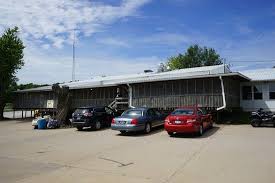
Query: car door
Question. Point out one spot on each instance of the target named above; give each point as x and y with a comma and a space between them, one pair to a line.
159, 118
151, 116
204, 117
109, 115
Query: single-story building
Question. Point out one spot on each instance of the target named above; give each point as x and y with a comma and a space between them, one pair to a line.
215, 87
259, 92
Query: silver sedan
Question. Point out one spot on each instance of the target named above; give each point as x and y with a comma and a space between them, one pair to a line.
138, 119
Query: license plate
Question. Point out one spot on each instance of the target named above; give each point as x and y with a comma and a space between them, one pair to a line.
122, 122
177, 122
78, 118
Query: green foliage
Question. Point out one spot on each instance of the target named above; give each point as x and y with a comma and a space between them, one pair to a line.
14, 87
195, 56
11, 60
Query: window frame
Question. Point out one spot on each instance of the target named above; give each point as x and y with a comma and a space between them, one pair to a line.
271, 91
256, 93
251, 93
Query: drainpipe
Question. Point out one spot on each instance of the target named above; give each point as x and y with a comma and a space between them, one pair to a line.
223, 96
130, 92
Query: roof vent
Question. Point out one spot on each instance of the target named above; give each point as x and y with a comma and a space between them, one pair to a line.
147, 71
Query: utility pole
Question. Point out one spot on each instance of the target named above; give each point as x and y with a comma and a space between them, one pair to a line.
73, 67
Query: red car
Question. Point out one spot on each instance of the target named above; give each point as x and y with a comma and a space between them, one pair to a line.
188, 120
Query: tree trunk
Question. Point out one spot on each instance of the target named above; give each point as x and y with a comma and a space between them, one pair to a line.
2, 105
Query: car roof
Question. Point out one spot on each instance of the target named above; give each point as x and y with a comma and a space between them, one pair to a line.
140, 108
90, 107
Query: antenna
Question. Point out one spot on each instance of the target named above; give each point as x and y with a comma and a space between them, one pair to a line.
73, 68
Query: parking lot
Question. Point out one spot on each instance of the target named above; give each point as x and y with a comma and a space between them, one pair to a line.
236, 153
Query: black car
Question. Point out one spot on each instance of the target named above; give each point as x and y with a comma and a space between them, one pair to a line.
94, 117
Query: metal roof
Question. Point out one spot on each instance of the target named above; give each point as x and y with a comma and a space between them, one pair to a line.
197, 72
260, 74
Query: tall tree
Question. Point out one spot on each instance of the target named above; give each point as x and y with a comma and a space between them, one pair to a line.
11, 60
195, 56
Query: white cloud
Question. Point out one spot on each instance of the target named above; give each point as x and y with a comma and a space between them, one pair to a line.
40, 68
54, 20
113, 42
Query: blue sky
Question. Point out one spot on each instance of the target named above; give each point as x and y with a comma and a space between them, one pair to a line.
127, 36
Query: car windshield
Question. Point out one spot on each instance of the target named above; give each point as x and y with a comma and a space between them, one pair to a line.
183, 112
81, 111
132, 113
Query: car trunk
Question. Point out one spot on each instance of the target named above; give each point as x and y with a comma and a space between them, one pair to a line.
180, 119
124, 120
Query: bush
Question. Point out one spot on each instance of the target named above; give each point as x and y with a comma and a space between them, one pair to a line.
235, 116
8, 107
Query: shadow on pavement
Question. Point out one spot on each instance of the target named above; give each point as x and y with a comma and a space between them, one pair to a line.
88, 129
142, 134
206, 134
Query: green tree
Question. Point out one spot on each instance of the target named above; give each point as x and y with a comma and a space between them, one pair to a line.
195, 56
11, 60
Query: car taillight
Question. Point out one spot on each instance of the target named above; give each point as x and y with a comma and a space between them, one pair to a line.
113, 121
87, 114
167, 120
134, 122
191, 120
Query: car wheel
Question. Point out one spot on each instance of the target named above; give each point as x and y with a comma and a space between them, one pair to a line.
255, 123
200, 130
123, 132
79, 128
35, 127
97, 125
147, 128
170, 133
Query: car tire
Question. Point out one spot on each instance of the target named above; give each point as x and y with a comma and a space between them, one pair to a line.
123, 132
35, 127
79, 128
170, 133
97, 125
200, 132
255, 123
147, 128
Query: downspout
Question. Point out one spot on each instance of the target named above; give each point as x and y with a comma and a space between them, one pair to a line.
130, 92
223, 96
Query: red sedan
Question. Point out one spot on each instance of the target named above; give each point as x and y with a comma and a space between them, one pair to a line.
188, 120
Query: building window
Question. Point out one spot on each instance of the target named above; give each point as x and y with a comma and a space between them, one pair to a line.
272, 91
247, 92
258, 92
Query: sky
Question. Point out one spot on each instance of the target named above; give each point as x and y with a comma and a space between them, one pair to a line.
115, 37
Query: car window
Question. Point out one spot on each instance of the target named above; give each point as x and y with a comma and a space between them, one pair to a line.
99, 109
199, 112
132, 113
81, 111
108, 110
157, 112
204, 112
150, 112
183, 112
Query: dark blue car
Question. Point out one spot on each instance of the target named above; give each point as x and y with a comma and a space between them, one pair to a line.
138, 119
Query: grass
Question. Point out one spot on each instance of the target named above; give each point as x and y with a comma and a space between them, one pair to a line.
8, 107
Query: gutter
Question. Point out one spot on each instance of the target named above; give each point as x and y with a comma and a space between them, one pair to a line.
130, 91
223, 96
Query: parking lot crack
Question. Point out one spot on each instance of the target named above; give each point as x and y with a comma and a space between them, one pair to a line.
120, 163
